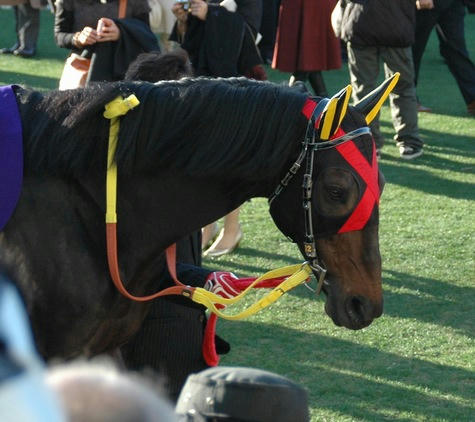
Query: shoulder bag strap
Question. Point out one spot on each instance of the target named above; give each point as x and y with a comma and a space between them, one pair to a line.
122, 8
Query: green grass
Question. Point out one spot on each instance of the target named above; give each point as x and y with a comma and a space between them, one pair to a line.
415, 363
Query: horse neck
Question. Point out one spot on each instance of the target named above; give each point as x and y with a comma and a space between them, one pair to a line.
173, 204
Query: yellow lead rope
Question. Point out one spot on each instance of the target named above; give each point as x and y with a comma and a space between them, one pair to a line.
296, 274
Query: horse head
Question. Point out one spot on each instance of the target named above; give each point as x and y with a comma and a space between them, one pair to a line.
342, 184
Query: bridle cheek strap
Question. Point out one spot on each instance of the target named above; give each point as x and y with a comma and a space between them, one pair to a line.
370, 174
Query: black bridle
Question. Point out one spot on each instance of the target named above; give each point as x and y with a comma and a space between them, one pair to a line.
309, 147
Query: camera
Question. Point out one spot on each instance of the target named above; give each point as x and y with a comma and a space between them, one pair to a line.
184, 3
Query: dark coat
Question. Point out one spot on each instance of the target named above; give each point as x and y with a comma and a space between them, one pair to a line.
110, 60
73, 15
213, 54
381, 23
305, 40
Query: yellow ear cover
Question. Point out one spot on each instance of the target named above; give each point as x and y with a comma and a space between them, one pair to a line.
327, 119
343, 99
386, 87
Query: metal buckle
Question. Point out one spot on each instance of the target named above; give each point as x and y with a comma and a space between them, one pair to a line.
187, 291
321, 276
322, 272
310, 288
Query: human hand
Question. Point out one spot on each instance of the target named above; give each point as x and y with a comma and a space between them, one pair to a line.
107, 30
180, 13
424, 4
199, 8
87, 36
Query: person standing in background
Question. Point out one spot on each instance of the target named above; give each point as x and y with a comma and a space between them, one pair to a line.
93, 31
305, 43
371, 36
27, 26
447, 16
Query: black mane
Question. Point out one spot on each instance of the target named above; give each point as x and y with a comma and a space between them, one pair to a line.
205, 126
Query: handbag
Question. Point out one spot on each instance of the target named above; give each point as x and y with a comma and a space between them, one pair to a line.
75, 72
76, 68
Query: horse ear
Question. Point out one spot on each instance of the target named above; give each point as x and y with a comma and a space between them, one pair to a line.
334, 112
369, 105
343, 98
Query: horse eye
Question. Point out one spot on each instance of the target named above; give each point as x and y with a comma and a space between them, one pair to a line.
335, 193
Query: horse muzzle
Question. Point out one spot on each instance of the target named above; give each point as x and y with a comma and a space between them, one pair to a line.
351, 311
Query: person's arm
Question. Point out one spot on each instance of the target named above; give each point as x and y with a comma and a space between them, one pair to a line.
64, 35
180, 27
63, 24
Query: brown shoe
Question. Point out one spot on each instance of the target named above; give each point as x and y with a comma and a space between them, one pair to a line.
423, 109
471, 108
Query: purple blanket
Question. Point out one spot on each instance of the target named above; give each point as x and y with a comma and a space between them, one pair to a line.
11, 154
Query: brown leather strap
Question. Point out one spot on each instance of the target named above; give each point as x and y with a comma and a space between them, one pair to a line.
179, 289
171, 263
122, 8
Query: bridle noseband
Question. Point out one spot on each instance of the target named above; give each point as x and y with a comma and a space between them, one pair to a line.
309, 147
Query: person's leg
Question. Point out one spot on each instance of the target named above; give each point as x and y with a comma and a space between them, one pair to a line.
229, 238
10, 50
425, 22
318, 84
363, 66
232, 228
208, 233
298, 76
28, 29
268, 30
403, 101
451, 33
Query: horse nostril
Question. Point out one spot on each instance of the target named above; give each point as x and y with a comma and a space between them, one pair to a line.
359, 308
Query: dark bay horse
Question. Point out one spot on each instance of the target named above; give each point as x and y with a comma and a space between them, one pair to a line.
192, 151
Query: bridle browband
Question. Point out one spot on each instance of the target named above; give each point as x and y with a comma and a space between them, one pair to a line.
309, 147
